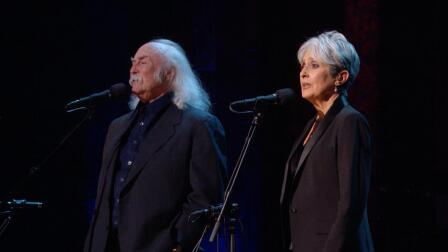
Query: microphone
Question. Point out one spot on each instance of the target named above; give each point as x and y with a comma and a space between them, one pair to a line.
115, 92
210, 212
280, 97
23, 204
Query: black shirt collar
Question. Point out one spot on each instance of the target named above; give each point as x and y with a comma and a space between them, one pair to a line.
155, 106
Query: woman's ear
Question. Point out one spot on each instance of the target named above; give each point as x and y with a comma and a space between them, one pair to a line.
342, 77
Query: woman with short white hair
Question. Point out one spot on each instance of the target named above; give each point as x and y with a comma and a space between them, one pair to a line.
327, 175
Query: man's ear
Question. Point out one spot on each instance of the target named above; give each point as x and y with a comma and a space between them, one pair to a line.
170, 74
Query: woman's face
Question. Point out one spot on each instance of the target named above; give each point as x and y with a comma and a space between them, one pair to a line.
316, 82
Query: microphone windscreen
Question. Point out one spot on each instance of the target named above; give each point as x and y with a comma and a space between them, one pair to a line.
119, 91
285, 95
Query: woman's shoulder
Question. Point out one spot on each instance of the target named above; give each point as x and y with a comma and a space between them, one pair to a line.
350, 114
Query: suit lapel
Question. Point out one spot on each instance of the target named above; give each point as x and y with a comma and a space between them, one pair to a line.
161, 132
287, 174
337, 106
115, 139
118, 136
300, 140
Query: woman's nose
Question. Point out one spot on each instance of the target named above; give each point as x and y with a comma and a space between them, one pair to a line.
303, 73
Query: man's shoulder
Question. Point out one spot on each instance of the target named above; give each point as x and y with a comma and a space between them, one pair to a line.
122, 118
119, 121
201, 118
197, 114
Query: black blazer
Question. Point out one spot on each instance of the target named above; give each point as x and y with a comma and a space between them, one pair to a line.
179, 169
324, 195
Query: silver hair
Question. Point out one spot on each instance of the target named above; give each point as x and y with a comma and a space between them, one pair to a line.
335, 50
186, 86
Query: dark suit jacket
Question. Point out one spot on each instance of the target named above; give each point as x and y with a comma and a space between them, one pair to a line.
325, 199
179, 169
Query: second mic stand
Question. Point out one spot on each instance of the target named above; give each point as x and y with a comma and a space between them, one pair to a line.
10, 212
211, 214
232, 180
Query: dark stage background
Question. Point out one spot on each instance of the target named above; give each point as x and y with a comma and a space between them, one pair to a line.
53, 52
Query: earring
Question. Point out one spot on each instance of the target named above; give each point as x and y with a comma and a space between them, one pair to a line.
336, 89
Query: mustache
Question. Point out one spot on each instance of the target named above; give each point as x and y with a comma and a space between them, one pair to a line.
134, 79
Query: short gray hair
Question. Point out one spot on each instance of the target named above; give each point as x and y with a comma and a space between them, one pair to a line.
334, 49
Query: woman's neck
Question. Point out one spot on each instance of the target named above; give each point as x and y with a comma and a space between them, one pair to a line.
323, 106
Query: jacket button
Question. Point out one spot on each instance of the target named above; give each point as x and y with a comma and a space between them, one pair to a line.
293, 210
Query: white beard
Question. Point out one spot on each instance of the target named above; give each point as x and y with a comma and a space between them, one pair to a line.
133, 101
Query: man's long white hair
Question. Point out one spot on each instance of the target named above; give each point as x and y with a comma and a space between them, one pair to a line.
186, 86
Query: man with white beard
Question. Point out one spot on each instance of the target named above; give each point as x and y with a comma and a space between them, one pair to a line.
162, 161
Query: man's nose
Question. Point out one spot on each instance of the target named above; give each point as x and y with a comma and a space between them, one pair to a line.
133, 69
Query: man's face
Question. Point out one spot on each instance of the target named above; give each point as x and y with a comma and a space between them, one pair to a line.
147, 84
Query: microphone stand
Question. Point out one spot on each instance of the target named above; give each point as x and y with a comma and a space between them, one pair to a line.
34, 169
232, 180
233, 220
211, 213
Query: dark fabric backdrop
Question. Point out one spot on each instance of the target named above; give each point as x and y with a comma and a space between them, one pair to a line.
53, 52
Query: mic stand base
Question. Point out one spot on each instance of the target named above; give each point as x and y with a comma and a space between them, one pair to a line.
233, 220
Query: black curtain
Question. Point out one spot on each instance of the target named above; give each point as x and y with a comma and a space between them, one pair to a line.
54, 52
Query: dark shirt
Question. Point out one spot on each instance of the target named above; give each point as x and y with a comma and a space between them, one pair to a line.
294, 163
147, 116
